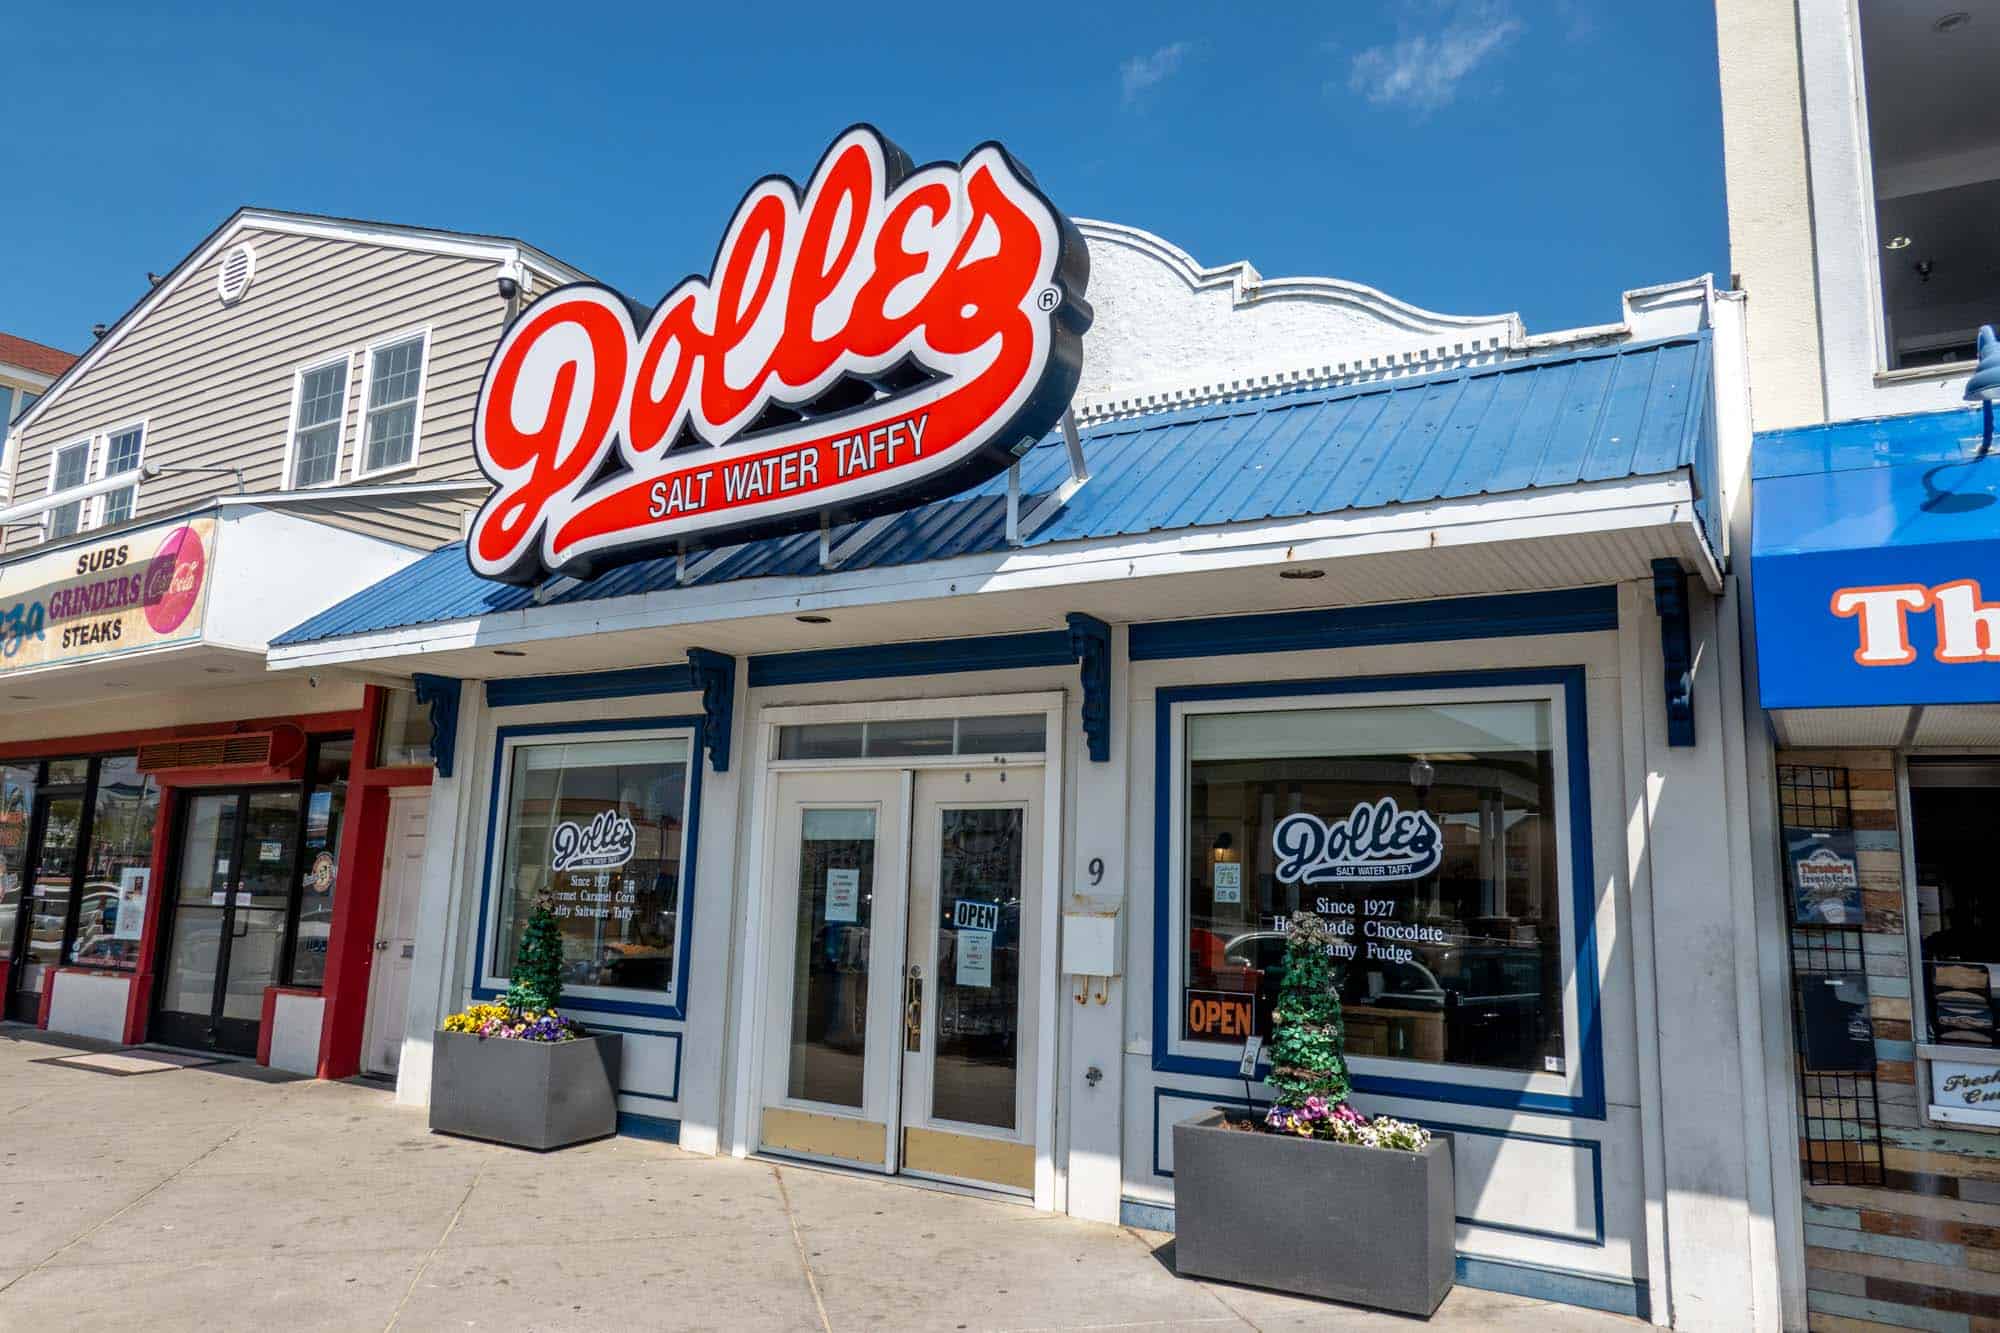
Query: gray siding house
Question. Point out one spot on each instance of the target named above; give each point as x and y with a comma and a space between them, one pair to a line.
325, 365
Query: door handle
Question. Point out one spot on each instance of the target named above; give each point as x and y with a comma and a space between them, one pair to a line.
913, 1010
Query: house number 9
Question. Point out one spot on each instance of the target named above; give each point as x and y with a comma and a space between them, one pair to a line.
1096, 870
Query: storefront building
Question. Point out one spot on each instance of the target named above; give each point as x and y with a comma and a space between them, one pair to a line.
191, 852
951, 837
1860, 158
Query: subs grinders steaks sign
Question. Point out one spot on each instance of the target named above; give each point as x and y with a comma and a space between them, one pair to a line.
886, 334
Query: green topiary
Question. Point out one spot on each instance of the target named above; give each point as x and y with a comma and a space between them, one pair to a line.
1307, 1032
538, 964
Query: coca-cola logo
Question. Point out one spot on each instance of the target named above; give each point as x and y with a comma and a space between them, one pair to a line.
605, 843
884, 335
1376, 840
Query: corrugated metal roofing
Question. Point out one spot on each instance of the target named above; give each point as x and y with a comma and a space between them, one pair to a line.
1600, 414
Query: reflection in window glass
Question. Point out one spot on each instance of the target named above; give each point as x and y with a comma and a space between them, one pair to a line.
978, 967
117, 876
389, 437
404, 740
326, 802
830, 956
597, 826
1450, 920
17, 804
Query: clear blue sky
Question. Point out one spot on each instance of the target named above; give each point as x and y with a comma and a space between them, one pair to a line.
1471, 156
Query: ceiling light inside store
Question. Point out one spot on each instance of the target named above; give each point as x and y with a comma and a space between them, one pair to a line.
1301, 573
1898, 243
1952, 22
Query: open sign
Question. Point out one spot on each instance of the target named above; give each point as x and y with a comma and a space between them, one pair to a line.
1218, 1014
969, 915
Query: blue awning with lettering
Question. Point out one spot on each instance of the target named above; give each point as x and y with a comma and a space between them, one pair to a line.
1875, 550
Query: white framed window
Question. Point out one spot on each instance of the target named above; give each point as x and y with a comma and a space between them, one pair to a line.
392, 404
123, 449
598, 824
1430, 827
70, 469
319, 420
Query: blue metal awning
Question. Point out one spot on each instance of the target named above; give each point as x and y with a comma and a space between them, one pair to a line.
1599, 414
1854, 525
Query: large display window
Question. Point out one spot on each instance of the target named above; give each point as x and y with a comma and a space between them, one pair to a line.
597, 828
1429, 828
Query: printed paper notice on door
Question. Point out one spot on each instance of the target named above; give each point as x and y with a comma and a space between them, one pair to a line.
843, 893
975, 958
1229, 881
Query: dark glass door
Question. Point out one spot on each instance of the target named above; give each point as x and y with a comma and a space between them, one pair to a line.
55, 833
230, 900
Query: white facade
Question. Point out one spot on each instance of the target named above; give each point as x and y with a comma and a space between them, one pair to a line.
1621, 1173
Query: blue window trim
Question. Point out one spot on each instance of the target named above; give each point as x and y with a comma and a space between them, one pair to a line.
677, 1007
1503, 615
678, 1036
1588, 1104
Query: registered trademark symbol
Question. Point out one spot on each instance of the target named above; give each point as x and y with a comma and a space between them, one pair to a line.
1048, 298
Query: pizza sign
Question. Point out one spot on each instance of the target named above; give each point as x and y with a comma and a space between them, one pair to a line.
884, 335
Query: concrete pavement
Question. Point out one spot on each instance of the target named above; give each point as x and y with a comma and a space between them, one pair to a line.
224, 1196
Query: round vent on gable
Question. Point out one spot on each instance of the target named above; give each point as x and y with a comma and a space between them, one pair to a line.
233, 278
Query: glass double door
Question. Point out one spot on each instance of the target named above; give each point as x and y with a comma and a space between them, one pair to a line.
901, 1024
231, 901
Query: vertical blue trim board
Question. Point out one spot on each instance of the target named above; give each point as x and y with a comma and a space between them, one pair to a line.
1670, 600
676, 1007
441, 695
1090, 640
1588, 1103
715, 676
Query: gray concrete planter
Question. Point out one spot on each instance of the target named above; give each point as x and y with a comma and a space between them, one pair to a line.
1369, 1226
530, 1094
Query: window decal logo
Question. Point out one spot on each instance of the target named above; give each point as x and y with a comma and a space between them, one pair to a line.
883, 336
1377, 840
605, 843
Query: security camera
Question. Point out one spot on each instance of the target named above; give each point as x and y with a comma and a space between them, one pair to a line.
509, 288
312, 682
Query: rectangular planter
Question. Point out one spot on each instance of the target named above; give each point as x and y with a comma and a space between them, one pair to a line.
530, 1094
1369, 1226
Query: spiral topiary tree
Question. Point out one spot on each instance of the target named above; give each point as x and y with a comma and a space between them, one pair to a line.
1307, 1032
538, 963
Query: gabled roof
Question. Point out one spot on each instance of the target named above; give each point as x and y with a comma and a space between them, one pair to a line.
1638, 410
500, 249
38, 357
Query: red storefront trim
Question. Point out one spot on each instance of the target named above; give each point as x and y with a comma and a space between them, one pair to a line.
350, 946
357, 882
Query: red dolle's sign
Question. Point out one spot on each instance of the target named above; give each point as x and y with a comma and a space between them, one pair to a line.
885, 335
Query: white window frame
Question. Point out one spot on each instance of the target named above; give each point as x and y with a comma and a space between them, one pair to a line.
299, 374
102, 503
1569, 1083
85, 509
501, 833
367, 391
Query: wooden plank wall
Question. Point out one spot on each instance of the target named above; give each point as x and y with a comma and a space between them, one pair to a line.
1923, 1249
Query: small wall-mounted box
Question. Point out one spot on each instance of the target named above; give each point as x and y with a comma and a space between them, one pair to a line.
1092, 943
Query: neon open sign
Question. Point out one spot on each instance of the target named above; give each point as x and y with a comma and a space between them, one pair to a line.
885, 335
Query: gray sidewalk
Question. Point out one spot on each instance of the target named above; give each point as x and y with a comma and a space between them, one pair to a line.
225, 1197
